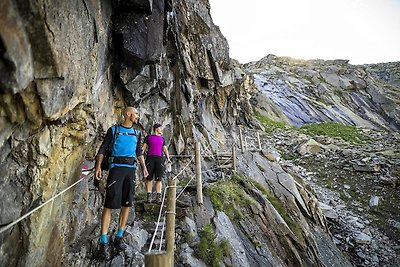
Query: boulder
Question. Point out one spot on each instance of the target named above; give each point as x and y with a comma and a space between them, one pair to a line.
363, 238
366, 168
310, 147
374, 201
271, 155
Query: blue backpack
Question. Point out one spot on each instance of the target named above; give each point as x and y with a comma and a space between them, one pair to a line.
108, 157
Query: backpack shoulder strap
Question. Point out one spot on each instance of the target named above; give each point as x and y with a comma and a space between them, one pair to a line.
115, 129
136, 132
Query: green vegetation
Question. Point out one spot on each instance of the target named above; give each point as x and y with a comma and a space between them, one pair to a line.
343, 196
295, 227
256, 243
335, 130
260, 187
287, 155
321, 100
229, 197
269, 124
150, 216
261, 168
210, 251
329, 184
189, 237
140, 196
182, 182
237, 178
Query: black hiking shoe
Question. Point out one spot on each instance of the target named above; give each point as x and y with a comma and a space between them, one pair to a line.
119, 244
158, 198
104, 252
149, 197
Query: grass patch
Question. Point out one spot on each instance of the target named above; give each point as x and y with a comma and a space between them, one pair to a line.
256, 243
343, 196
189, 237
323, 101
261, 168
335, 130
229, 197
182, 182
329, 184
141, 196
237, 178
286, 155
209, 250
150, 216
269, 124
295, 227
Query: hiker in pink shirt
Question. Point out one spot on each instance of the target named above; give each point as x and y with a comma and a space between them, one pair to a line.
155, 145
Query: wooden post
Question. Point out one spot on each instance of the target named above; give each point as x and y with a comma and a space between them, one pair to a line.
234, 158
259, 141
171, 211
241, 140
166, 258
159, 259
199, 183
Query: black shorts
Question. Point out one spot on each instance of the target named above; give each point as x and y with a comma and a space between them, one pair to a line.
155, 167
120, 187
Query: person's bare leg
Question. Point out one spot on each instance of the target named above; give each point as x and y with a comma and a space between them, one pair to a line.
158, 186
105, 220
149, 186
123, 217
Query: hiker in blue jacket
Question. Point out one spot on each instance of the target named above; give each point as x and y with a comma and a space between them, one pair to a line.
124, 142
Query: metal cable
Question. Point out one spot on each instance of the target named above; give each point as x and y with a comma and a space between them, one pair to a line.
8, 226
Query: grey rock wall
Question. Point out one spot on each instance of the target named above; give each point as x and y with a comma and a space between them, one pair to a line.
55, 94
67, 69
314, 91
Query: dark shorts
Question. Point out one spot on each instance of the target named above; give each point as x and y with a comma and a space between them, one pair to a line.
155, 167
120, 187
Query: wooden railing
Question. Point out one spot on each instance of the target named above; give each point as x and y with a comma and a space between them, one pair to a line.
224, 160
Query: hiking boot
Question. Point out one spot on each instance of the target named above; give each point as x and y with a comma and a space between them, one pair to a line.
104, 252
119, 244
158, 198
149, 197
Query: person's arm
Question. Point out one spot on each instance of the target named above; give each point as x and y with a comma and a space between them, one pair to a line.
139, 155
143, 164
145, 144
102, 151
144, 147
165, 149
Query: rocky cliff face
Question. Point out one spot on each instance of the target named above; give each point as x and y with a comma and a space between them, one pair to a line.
67, 70
301, 92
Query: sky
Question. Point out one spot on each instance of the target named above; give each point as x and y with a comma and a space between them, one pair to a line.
362, 31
